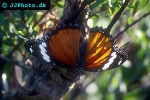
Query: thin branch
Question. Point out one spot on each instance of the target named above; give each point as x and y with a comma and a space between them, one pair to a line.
40, 18
108, 84
118, 14
128, 26
80, 10
13, 50
20, 64
85, 3
24, 19
91, 15
21, 41
22, 53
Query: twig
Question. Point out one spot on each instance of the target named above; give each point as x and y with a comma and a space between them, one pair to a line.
94, 78
80, 10
118, 14
22, 53
20, 64
24, 20
85, 3
19, 42
40, 18
91, 15
128, 26
80, 88
108, 84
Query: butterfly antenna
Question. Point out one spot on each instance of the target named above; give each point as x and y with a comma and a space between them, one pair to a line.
20, 35
125, 44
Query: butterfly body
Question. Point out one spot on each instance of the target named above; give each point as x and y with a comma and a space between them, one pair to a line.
68, 46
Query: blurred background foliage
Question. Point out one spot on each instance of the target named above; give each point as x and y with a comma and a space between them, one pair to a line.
131, 81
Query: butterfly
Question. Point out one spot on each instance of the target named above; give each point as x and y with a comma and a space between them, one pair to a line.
68, 46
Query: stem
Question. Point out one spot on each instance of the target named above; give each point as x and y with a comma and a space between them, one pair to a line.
79, 11
130, 25
20, 64
118, 14
40, 18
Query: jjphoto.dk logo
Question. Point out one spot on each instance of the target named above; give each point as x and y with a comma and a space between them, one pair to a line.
25, 5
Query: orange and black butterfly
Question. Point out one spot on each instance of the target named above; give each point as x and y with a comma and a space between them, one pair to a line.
68, 46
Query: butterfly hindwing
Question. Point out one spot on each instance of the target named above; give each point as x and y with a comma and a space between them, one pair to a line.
117, 58
101, 53
39, 49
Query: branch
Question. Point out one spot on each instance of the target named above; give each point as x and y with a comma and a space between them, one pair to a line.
85, 3
14, 49
20, 64
24, 20
75, 13
104, 94
21, 41
128, 26
80, 87
53, 82
40, 18
91, 15
118, 14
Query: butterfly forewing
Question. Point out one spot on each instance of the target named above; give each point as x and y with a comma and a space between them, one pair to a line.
64, 45
39, 49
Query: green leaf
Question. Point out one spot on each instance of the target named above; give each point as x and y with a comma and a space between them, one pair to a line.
111, 11
60, 4
9, 42
130, 20
143, 3
97, 3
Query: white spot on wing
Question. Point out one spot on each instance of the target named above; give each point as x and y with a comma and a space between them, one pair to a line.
43, 44
120, 62
31, 50
43, 52
106, 66
47, 59
42, 48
